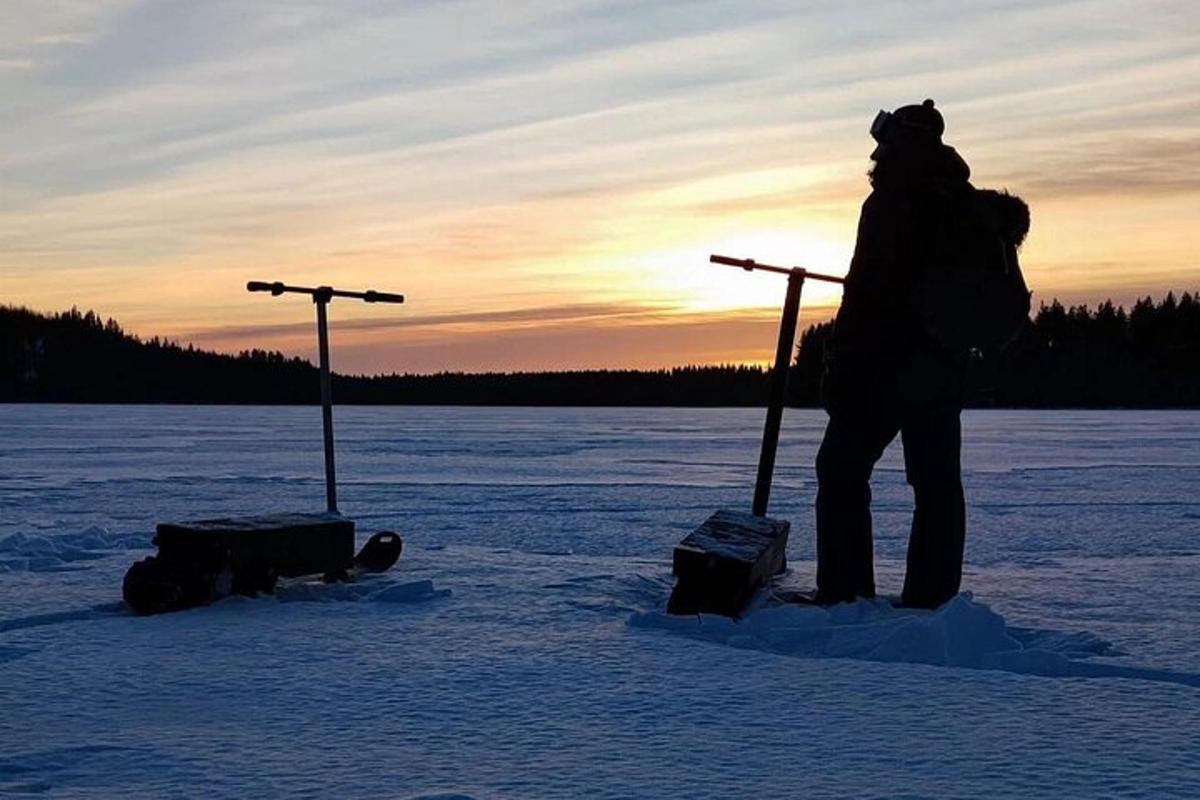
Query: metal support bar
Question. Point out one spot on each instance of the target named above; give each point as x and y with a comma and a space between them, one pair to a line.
321, 296
321, 300
777, 392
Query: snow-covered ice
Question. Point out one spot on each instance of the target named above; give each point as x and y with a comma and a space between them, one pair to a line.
521, 649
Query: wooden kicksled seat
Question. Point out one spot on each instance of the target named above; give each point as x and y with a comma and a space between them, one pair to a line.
203, 560
291, 544
721, 564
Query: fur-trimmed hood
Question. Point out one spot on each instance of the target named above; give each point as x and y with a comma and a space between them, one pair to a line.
1007, 214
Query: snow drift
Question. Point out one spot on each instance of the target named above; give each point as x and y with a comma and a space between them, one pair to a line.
962, 633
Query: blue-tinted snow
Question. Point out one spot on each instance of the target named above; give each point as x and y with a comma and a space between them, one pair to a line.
520, 650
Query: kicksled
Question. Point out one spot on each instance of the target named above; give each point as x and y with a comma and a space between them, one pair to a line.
721, 565
201, 561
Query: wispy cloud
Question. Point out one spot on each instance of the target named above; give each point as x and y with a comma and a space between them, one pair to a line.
541, 315
1126, 167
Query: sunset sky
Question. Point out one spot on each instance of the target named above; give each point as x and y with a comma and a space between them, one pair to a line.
545, 180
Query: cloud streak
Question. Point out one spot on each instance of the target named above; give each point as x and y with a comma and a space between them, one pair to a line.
578, 312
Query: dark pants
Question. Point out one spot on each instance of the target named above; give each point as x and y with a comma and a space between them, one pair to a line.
866, 411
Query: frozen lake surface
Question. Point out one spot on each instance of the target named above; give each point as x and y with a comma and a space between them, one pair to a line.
520, 649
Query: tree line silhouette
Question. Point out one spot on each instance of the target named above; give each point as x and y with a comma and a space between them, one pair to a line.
1065, 357
1074, 357
78, 357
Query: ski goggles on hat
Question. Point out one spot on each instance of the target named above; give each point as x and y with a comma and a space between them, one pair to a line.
884, 122
885, 125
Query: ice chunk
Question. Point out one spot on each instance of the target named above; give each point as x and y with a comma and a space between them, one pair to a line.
407, 592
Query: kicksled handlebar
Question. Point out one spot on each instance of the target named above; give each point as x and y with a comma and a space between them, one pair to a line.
749, 264
777, 388
321, 295
325, 293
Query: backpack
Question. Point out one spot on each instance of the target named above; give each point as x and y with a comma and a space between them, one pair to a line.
973, 295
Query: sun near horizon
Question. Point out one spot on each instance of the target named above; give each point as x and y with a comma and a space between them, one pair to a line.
545, 182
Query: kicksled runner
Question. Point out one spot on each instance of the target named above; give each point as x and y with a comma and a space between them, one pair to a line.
202, 561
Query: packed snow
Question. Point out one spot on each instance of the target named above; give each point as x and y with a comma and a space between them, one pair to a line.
521, 646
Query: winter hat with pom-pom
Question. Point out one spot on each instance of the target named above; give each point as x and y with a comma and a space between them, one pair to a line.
923, 117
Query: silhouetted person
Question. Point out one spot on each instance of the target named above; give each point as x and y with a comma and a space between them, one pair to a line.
886, 374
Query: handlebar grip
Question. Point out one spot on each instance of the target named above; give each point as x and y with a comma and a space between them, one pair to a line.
372, 296
745, 263
275, 288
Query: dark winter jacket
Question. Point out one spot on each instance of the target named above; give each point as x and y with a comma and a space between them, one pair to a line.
899, 231
880, 346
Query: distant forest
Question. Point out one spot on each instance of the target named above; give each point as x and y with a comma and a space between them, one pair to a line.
1065, 357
